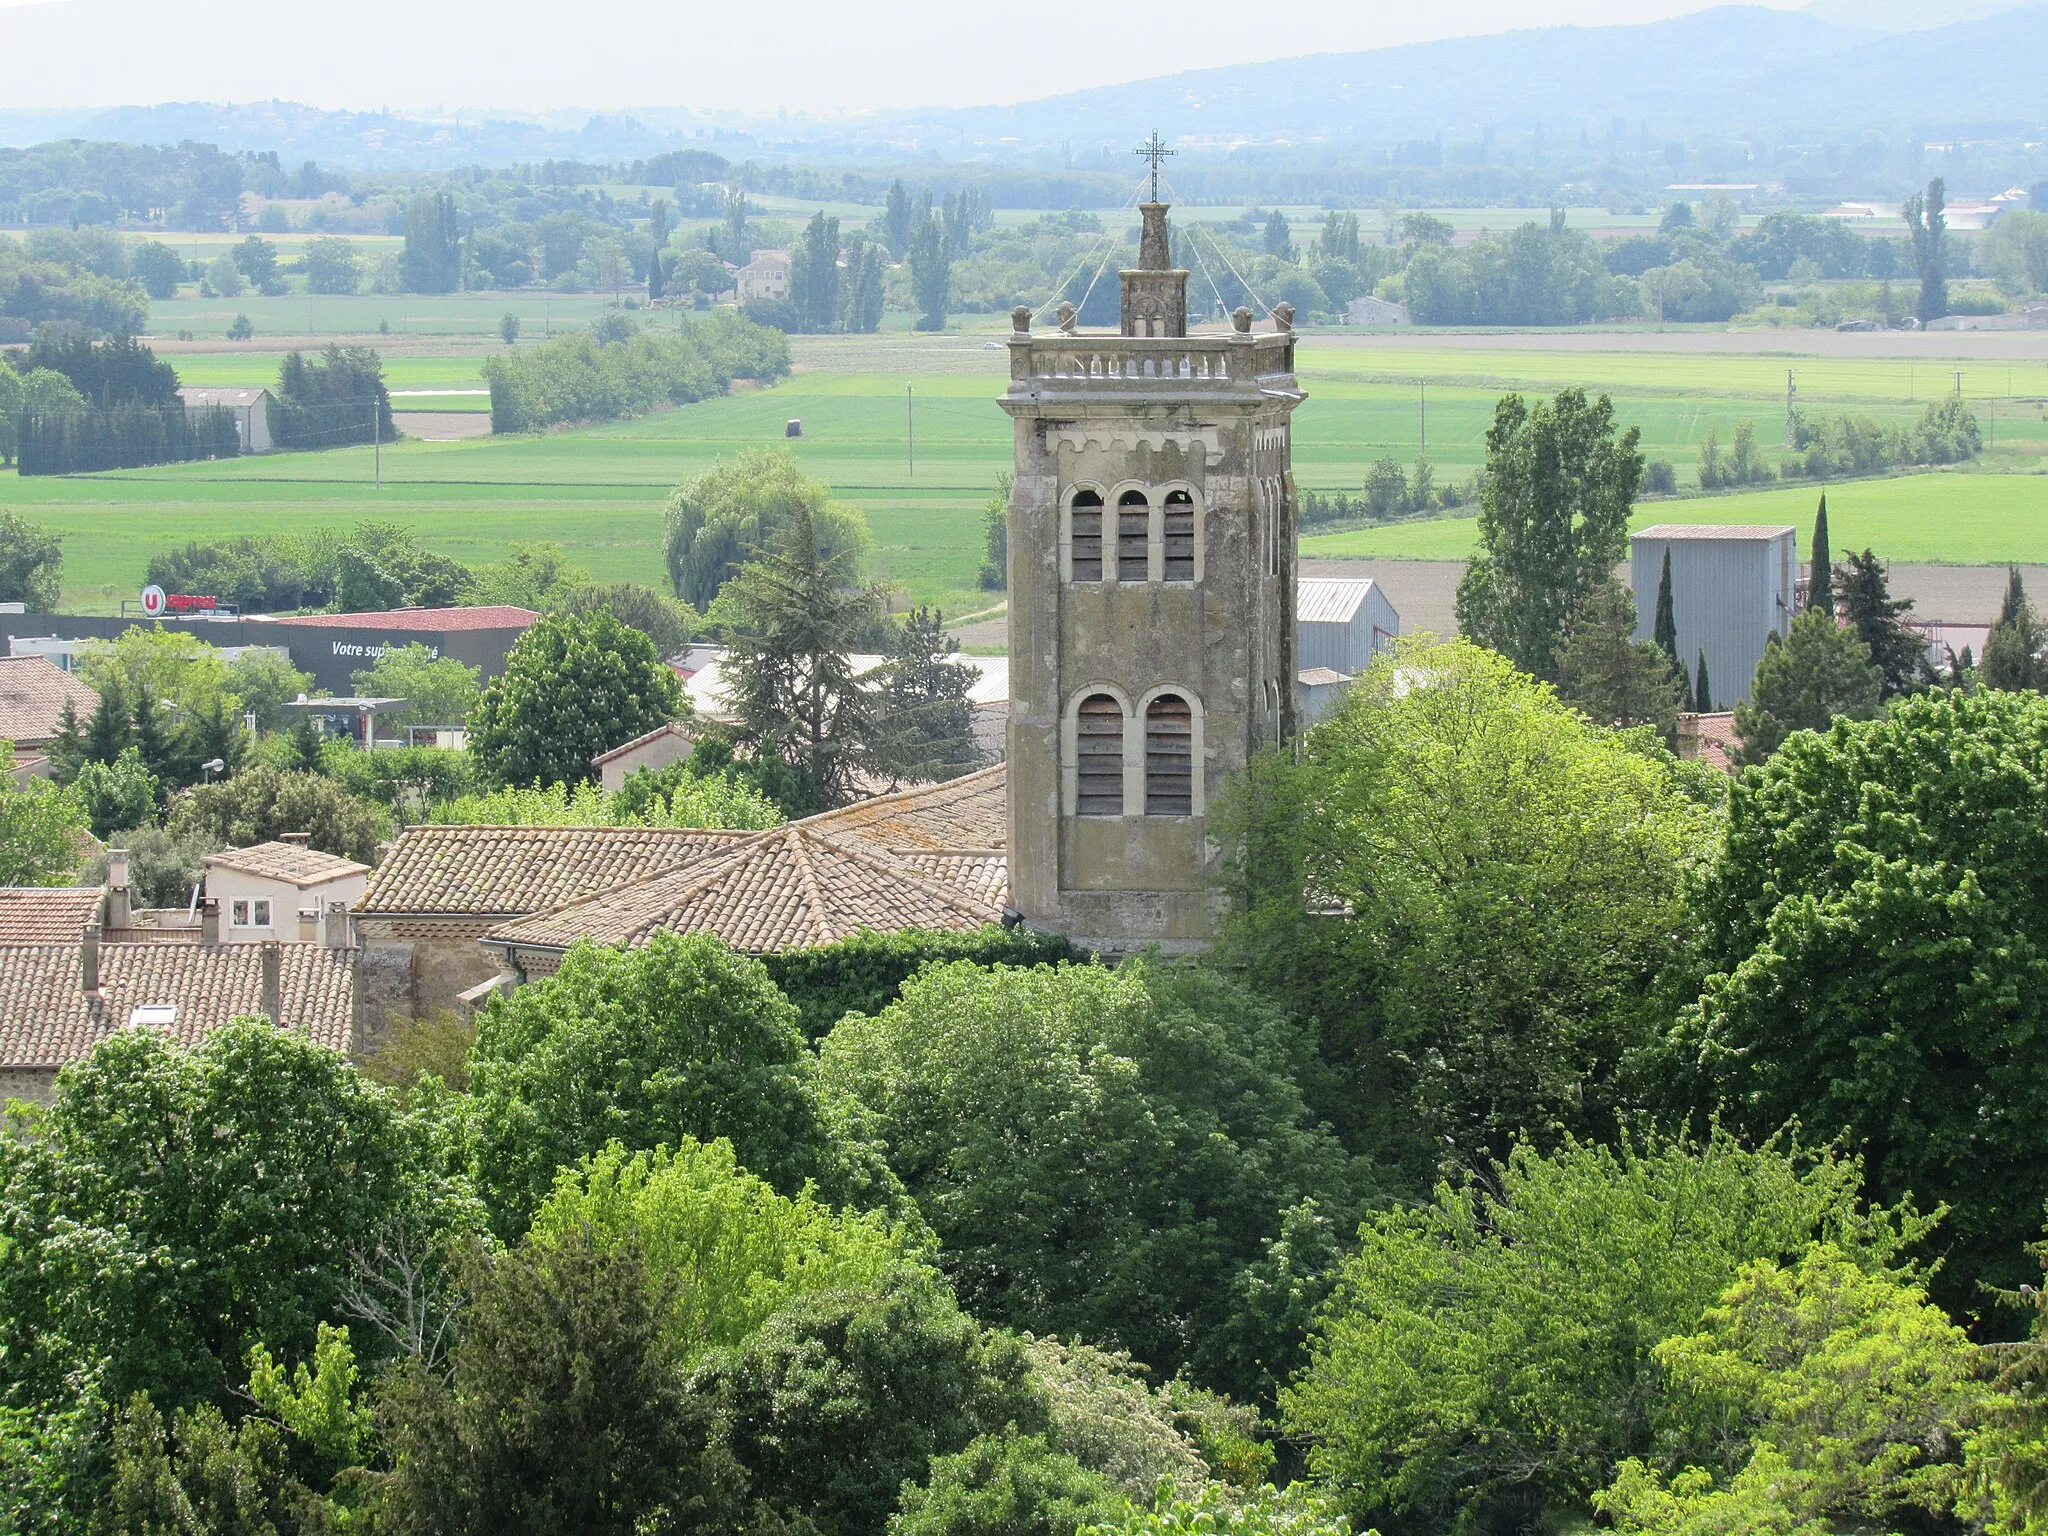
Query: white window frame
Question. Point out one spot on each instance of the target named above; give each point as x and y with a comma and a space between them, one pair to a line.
238, 913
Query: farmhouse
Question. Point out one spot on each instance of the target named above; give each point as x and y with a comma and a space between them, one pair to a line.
249, 407
765, 276
1367, 310
658, 748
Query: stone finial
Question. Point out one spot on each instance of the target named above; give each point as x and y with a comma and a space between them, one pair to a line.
1020, 319
1155, 250
1241, 320
1283, 316
1068, 317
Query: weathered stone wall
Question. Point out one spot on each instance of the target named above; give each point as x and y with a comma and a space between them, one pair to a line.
1225, 640
33, 1085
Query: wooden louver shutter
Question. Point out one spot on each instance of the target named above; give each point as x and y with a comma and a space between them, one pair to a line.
1133, 538
1086, 536
1180, 537
1099, 756
1169, 757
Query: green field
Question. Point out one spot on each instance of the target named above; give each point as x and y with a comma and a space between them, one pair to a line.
599, 492
1956, 519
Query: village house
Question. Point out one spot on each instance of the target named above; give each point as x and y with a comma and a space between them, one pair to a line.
280, 889
65, 986
33, 693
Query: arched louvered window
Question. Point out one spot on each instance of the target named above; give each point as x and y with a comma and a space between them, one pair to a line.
1133, 537
1180, 536
1169, 757
1085, 536
1099, 756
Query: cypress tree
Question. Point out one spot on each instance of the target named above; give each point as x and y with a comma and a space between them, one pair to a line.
2015, 596
1665, 633
1702, 691
1820, 591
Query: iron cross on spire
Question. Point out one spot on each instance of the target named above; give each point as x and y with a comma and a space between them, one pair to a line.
1154, 150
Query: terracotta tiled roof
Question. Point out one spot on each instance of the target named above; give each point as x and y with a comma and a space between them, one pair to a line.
1710, 739
47, 1021
290, 862
969, 812
426, 620
790, 888
508, 871
32, 694
36, 915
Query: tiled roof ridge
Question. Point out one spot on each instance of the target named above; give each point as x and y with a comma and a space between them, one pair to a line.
822, 930
888, 862
698, 868
927, 794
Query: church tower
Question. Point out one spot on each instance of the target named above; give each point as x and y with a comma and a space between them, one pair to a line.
1151, 568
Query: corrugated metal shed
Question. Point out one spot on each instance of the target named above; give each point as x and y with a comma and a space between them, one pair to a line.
1342, 625
1732, 586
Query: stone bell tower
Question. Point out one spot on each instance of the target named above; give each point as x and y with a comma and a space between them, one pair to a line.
1152, 554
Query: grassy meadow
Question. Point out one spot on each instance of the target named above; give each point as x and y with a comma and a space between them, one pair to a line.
599, 491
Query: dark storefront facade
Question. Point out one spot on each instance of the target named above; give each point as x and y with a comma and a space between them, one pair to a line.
331, 646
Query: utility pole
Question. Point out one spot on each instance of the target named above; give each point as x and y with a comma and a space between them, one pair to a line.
1424, 458
1959, 384
910, 426
1791, 394
377, 441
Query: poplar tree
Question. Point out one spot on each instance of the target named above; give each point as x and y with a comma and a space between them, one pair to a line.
1553, 523
1926, 218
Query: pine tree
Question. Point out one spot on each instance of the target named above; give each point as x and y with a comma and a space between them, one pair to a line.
1804, 682
150, 742
67, 748
106, 733
1820, 588
2013, 650
1702, 690
795, 614
1615, 678
1878, 618
925, 724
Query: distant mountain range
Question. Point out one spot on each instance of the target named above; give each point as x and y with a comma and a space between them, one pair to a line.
1733, 70
1833, 71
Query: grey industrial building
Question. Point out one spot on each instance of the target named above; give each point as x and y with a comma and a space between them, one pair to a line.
1732, 587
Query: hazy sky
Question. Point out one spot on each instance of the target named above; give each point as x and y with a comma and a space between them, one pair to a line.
817, 55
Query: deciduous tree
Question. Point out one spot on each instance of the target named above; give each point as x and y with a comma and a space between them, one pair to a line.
1490, 1357
716, 521
573, 686
1118, 1156
1553, 523
1448, 795
644, 1047
1875, 945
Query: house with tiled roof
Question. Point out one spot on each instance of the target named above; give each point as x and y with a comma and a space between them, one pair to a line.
441, 888
60, 997
33, 693
279, 890
790, 888
47, 915
454, 912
